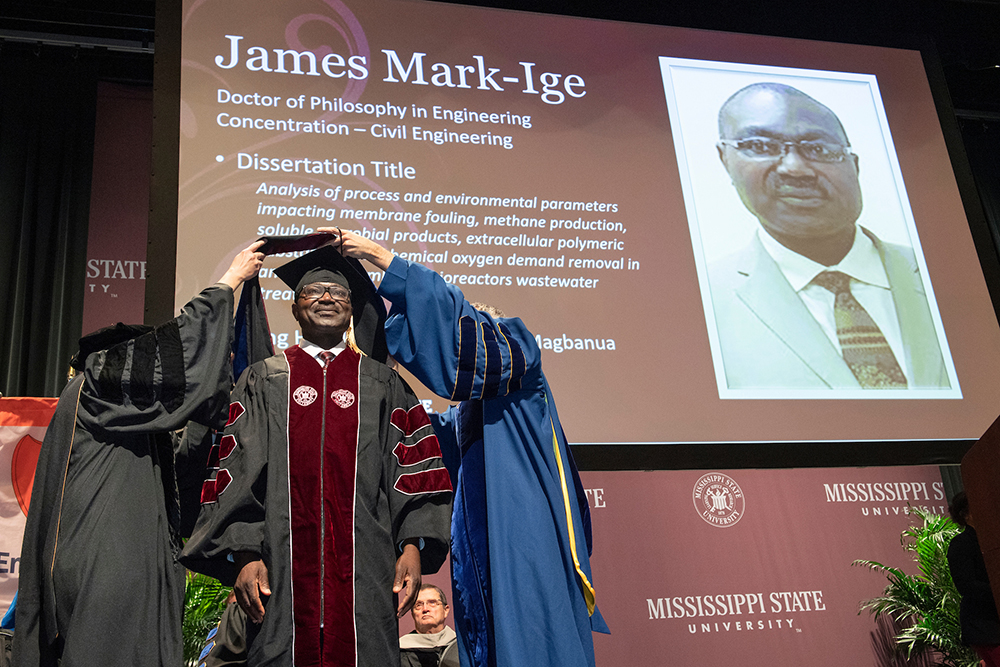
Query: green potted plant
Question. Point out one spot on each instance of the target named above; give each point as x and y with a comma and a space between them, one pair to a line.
204, 602
925, 605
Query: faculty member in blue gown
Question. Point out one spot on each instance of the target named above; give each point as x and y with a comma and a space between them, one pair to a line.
521, 523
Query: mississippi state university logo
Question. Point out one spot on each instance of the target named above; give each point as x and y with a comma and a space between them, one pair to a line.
343, 397
305, 395
718, 500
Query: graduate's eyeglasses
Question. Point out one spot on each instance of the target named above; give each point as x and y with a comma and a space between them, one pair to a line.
430, 604
764, 148
316, 291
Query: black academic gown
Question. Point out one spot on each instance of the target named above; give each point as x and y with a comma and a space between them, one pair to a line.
977, 615
99, 581
383, 482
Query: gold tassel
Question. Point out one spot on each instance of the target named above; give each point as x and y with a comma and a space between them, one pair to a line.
351, 340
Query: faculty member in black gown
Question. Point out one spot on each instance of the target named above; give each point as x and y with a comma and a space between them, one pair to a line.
978, 611
100, 583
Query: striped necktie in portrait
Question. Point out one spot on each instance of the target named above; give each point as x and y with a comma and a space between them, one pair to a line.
861, 341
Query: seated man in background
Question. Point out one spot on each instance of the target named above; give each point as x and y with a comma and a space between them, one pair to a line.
432, 643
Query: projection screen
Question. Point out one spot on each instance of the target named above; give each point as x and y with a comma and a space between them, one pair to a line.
570, 172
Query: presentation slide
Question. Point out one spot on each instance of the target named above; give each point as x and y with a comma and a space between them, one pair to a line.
658, 205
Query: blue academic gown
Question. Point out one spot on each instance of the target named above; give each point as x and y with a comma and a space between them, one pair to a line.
521, 524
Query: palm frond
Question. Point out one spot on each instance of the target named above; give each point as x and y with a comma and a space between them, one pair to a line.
204, 602
925, 605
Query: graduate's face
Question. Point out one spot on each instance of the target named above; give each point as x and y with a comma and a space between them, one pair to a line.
429, 612
323, 317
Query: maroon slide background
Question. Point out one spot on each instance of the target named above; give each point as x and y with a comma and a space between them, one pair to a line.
612, 146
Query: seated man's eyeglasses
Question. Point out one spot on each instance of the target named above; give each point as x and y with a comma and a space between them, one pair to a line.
764, 148
430, 604
317, 290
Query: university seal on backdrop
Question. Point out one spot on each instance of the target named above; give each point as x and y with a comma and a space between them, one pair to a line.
718, 499
343, 397
305, 395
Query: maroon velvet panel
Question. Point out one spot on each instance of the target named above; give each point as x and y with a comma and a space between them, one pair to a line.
322, 435
339, 471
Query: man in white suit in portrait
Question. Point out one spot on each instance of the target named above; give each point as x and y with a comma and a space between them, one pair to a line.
815, 301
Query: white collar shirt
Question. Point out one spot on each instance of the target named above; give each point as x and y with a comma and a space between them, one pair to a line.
869, 285
314, 350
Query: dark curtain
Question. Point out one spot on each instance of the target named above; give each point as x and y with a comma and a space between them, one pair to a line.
951, 476
982, 144
48, 98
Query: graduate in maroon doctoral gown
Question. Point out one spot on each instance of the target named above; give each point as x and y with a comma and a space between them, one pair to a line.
330, 493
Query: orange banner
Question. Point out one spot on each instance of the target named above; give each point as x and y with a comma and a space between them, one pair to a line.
23, 422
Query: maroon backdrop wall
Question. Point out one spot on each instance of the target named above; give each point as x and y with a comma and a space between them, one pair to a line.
119, 206
696, 568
